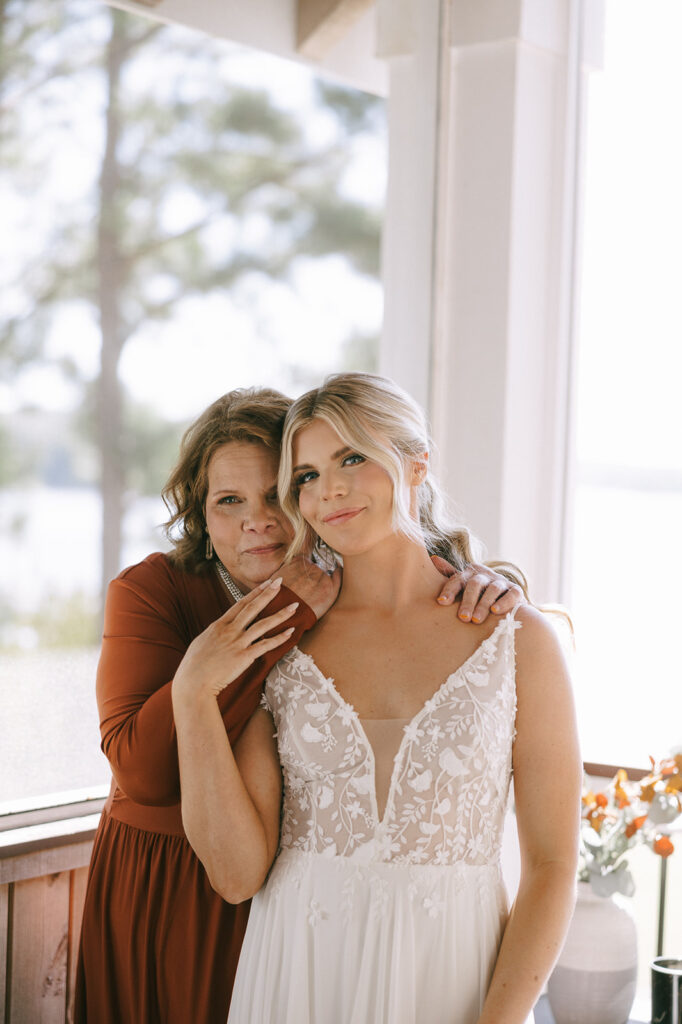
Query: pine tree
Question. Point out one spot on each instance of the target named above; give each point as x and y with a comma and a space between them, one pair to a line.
176, 133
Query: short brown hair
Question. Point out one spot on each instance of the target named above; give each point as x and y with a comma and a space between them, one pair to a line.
254, 415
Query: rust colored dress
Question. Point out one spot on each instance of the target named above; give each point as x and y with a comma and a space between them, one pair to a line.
158, 945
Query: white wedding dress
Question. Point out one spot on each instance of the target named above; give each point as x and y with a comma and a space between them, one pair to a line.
388, 915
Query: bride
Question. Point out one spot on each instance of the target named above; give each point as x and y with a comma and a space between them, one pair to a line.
364, 802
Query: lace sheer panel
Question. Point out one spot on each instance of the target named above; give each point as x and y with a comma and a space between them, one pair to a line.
384, 736
450, 778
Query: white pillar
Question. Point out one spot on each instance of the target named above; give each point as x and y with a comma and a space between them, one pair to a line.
409, 38
484, 121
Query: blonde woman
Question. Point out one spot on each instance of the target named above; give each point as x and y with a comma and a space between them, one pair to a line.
397, 732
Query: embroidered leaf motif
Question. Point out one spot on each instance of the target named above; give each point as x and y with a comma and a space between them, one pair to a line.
449, 784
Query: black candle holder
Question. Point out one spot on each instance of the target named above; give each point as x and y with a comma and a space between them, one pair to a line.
666, 990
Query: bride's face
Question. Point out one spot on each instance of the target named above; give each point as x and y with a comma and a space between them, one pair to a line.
345, 497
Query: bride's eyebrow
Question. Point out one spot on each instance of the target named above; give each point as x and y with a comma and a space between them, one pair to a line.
335, 455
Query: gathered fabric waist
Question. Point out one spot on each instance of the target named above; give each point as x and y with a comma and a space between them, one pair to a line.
292, 867
146, 817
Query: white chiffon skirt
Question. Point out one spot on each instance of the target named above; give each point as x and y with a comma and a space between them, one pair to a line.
331, 940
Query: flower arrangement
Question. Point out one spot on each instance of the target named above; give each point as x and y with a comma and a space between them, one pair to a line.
627, 814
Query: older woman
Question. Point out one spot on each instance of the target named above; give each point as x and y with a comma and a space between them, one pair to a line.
157, 943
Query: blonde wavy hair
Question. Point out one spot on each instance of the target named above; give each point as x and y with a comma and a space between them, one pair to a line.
380, 421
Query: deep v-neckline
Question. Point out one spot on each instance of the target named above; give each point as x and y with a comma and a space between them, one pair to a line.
427, 705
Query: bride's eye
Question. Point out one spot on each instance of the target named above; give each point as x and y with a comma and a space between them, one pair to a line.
353, 460
305, 478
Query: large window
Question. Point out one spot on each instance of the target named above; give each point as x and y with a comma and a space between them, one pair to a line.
627, 541
181, 217
627, 557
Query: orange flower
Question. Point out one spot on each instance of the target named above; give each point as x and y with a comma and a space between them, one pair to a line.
634, 826
622, 799
647, 793
588, 797
596, 821
663, 847
601, 800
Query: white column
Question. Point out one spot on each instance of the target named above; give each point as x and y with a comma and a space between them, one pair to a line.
484, 122
409, 38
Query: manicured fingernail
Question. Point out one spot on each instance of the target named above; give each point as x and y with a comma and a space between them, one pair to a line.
475, 618
495, 608
276, 583
292, 607
443, 599
464, 616
288, 632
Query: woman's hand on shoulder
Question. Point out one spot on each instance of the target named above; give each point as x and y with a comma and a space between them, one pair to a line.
319, 589
483, 591
231, 644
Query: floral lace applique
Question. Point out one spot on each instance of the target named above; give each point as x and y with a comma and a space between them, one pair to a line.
450, 778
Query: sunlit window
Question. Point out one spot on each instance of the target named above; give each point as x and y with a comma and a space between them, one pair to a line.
180, 217
627, 544
627, 558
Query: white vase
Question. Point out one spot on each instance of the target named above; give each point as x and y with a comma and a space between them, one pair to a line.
595, 977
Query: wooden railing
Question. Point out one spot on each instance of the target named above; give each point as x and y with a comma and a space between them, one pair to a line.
44, 854
44, 857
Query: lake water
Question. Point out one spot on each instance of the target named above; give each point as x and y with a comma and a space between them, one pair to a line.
627, 564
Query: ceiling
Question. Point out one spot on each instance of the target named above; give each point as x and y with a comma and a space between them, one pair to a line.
338, 37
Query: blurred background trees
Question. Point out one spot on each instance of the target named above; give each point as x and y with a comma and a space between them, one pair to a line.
154, 182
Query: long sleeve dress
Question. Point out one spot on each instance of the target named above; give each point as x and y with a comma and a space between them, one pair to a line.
158, 945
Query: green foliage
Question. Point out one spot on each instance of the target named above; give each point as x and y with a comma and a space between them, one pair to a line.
71, 621
150, 448
357, 111
10, 463
360, 354
192, 184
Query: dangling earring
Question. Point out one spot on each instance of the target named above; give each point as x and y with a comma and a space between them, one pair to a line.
209, 547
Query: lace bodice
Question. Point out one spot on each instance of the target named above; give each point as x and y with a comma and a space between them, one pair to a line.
451, 774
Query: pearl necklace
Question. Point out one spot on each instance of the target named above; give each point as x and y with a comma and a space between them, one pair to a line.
228, 581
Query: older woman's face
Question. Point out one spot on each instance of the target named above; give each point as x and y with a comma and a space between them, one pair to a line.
250, 533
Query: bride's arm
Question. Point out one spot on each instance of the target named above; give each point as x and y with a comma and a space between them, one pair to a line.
230, 798
547, 782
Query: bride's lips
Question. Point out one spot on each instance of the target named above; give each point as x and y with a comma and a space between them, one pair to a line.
343, 515
266, 549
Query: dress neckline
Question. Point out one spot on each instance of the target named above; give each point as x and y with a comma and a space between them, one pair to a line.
431, 701
410, 724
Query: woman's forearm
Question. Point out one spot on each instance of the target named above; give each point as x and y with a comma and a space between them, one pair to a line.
531, 943
220, 818
143, 647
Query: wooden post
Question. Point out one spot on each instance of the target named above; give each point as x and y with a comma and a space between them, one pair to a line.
322, 23
5, 891
39, 950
